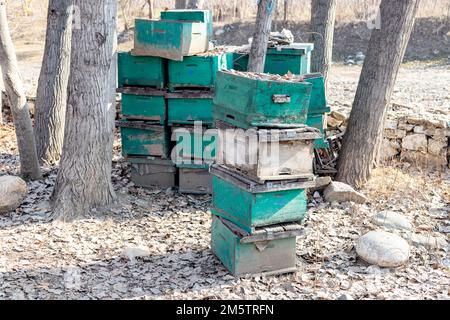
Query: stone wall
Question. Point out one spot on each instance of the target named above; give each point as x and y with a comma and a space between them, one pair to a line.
423, 142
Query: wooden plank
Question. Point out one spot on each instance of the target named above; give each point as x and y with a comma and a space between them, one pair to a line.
142, 91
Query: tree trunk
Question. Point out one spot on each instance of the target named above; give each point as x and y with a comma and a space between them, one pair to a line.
258, 49
364, 133
285, 12
29, 164
84, 177
180, 4
51, 98
151, 9
195, 4
323, 16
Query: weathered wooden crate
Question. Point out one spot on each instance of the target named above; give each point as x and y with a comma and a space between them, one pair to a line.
318, 102
149, 108
204, 16
194, 179
319, 122
250, 209
185, 109
197, 71
266, 155
246, 102
295, 58
194, 143
271, 250
140, 138
152, 172
141, 71
170, 39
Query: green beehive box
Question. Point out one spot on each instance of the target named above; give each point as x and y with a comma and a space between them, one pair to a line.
188, 110
295, 58
251, 209
318, 101
318, 121
142, 139
194, 144
246, 102
140, 71
149, 108
152, 172
272, 251
170, 39
204, 16
197, 71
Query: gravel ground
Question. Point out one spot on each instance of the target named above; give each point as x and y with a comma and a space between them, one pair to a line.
92, 258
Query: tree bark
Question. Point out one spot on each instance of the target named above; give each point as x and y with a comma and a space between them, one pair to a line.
84, 177
29, 164
195, 4
364, 133
151, 9
51, 98
180, 4
323, 16
257, 58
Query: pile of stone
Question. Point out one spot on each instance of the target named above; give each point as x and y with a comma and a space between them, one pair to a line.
421, 141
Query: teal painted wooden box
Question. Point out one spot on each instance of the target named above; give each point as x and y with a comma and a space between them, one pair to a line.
250, 210
318, 102
170, 39
143, 139
246, 102
318, 121
197, 71
140, 71
194, 144
243, 256
152, 172
150, 108
295, 58
189, 110
204, 16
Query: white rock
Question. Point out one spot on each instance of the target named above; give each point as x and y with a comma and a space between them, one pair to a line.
322, 182
391, 220
428, 241
132, 253
13, 191
436, 147
341, 192
394, 133
415, 142
389, 148
345, 296
383, 249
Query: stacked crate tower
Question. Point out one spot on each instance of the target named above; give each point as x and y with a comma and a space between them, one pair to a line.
296, 59
166, 83
264, 166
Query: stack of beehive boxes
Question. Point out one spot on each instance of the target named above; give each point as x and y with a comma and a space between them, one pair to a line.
296, 59
167, 83
264, 166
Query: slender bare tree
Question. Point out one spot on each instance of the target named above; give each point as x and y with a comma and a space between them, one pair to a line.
51, 95
257, 58
195, 4
362, 141
29, 164
84, 177
323, 16
180, 4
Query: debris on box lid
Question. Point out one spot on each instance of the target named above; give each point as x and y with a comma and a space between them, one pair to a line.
283, 37
288, 77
